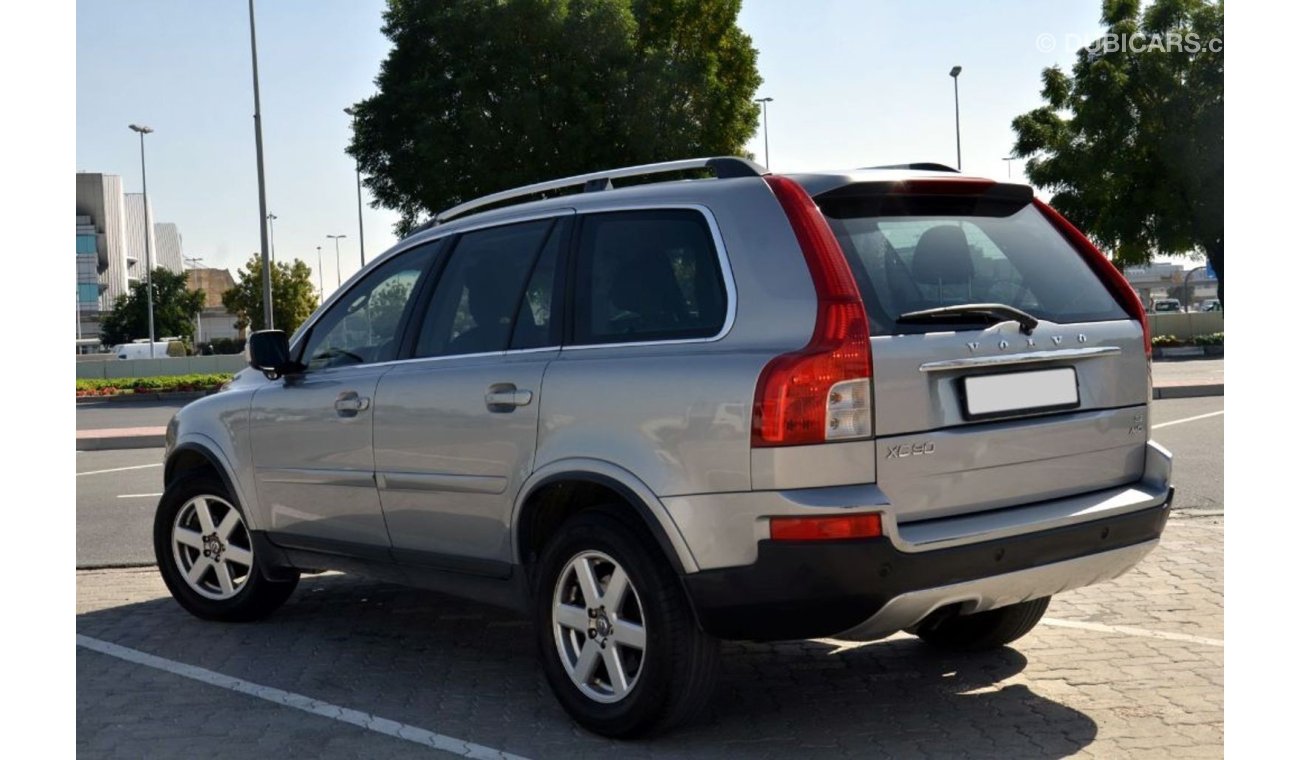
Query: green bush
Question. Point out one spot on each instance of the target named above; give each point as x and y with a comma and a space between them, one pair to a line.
1166, 341
1213, 339
170, 384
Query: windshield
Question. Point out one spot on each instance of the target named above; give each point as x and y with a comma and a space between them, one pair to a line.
910, 253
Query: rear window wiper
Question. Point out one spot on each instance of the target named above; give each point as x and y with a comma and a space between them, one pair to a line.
1027, 321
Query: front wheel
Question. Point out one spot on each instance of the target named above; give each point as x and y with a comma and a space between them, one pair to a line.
205, 553
984, 630
617, 638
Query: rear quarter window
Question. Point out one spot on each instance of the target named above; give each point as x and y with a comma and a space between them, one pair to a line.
645, 276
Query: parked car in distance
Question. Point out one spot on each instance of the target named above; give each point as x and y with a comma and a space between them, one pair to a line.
1166, 304
1211, 304
653, 417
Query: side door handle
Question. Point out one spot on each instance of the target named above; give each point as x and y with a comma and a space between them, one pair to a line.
349, 403
505, 397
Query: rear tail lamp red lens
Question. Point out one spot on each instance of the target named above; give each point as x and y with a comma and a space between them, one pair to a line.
831, 528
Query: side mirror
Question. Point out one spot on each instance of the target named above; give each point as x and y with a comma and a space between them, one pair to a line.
268, 351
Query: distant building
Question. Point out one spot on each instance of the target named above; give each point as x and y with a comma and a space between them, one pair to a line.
1165, 279
168, 252
111, 246
215, 321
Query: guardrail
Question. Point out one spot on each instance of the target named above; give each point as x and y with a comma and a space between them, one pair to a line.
166, 367
1185, 325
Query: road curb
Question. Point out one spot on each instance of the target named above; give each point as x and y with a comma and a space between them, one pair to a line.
1187, 391
127, 398
121, 442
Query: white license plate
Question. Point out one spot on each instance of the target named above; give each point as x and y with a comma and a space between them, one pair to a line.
988, 395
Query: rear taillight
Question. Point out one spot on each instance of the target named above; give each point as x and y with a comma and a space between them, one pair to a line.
823, 391
1110, 275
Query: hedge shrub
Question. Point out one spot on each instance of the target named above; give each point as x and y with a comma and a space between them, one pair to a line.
182, 383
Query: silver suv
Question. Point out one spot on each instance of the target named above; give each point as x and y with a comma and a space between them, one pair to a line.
747, 406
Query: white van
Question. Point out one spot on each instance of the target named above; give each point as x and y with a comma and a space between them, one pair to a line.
140, 349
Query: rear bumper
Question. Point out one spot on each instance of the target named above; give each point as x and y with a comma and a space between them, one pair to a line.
867, 589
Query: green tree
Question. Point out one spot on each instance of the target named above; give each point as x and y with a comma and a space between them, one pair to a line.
292, 295
174, 309
1132, 142
476, 96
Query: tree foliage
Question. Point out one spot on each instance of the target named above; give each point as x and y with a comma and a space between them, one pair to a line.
293, 296
478, 96
174, 308
1132, 141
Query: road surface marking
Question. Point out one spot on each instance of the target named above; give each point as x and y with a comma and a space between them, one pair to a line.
299, 702
1130, 631
1187, 419
120, 469
136, 495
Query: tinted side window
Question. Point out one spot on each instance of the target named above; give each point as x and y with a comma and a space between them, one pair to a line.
365, 326
474, 304
647, 275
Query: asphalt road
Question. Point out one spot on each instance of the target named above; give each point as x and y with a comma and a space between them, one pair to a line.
97, 415
117, 491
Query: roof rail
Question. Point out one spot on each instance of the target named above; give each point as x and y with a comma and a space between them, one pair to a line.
725, 167
922, 166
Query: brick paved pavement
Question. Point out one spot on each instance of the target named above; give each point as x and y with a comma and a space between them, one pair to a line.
470, 672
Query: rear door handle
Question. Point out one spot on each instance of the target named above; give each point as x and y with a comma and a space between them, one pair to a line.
505, 397
350, 402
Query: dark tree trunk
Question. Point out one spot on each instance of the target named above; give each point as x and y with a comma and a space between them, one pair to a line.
1214, 252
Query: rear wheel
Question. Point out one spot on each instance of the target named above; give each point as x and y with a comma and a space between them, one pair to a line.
205, 553
618, 642
984, 630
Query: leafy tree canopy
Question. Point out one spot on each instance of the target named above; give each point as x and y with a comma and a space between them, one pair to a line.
478, 96
1131, 142
292, 295
174, 309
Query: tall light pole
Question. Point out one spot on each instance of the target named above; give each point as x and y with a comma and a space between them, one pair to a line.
270, 218
338, 262
320, 274
361, 229
956, 101
267, 308
194, 261
1009, 159
767, 159
148, 247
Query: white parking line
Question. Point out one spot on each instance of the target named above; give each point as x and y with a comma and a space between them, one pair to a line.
1130, 631
1187, 419
299, 702
120, 469
137, 495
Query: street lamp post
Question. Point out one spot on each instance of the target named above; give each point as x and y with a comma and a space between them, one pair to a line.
956, 100
338, 265
1009, 159
270, 218
267, 307
320, 274
148, 247
767, 159
194, 262
361, 229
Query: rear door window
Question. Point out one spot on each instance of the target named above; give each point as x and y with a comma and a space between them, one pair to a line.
910, 253
480, 291
646, 276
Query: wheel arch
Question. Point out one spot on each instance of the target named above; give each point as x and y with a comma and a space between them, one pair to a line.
533, 502
197, 455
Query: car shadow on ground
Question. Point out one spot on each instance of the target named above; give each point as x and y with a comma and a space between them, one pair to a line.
471, 671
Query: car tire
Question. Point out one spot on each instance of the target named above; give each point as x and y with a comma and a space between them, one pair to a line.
207, 558
586, 627
983, 630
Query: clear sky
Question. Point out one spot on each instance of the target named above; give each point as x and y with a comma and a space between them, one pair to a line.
855, 83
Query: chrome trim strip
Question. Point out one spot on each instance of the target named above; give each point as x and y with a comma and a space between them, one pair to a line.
724, 262
1028, 357
317, 477
441, 482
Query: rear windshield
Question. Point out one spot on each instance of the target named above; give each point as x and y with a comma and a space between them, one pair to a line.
910, 253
